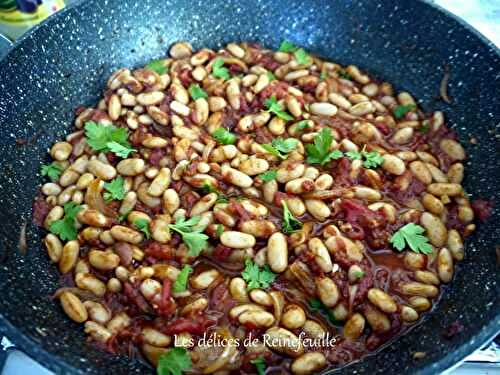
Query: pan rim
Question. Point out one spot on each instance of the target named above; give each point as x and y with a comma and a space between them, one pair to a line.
59, 365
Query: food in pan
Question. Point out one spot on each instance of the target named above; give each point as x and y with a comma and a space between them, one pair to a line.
252, 209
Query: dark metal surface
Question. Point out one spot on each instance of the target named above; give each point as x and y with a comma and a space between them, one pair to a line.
65, 63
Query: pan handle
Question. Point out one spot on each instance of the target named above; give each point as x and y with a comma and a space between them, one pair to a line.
5, 46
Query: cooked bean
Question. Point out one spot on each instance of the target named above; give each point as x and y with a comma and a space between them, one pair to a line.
283, 341
323, 109
97, 312
420, 304
445, 265
453, 149
160, 183
435, 229
455, 244
393, 165
318, 209
238, 289
277, 252
408, 314
257, 318
261, 297
441, 188
204, 279
322, 256
103, 260
354, 327
237, 240
328, 291
73, 307
414, 261
236, 177
97, 331
426, 277
432, 204
131, 167
126, 234
419, 289
54, 247
258, 228
101, 170
118, 322
456, 173
69, 256
61, 151
313, 329
91, 283
293, 317
376, 319
309, 363
382, 300
156, 338
204, 204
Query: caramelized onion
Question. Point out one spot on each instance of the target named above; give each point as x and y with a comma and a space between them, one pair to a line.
94, 198
83, 294
443, 87
212, 359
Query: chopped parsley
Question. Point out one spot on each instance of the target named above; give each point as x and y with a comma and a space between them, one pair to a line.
65, 228
319, 152
52, 171
411, 235
290, 223
218, 69
273, 106
256, 277
224, 136
143, 226
174, 362
280, 147
104, 138
180, 284
193, 238
197, 92
401, 110
115, 190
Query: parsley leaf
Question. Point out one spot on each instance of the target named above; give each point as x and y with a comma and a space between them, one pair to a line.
106, 138
260, 365
197, 92
115, 190
323, 76
287, 46
195, 240
271, 76
425, 128
290, 223
66, 228
218, 69
207, 188
120, 150
411, 233
280, 147
303, 125
401, 110
143, 226
317, 306
224, 136
354, 155
180, 284
157, 66
273, 106
302, 57
268, 176
174, 362
255, 277
372, 159
124, 216
319, 152
219, 230
359, 274
52, 171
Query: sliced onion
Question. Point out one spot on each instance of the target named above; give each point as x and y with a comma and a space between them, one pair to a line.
235, 61
352, 294
22, 245
125, 252
94, 198
443, 87
212, 359
278, 305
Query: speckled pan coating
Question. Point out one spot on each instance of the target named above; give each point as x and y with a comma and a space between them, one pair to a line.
65, 63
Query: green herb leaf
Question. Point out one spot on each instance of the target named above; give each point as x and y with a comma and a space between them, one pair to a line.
52, 171
120, 150
273, 106
157, 66
180, 284
303, 125
372, 159
302, 57
66, 228
197, 92
257, 278
287, 46
224, 136
193, 237
271, 76
268, 176
319, 152
359, 274
317, 306
323, 76
219, 230
426, 127
343, 74
354, 155
143, 226
115, 190
174, 362
411, 234
124, 216
208, 188
218, 69
106, 138
290, 223
401, 110
280, 147
260, 365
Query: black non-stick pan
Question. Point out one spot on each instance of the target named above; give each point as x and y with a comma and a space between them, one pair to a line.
65, 62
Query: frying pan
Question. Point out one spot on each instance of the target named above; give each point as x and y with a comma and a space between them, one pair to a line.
65, 63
